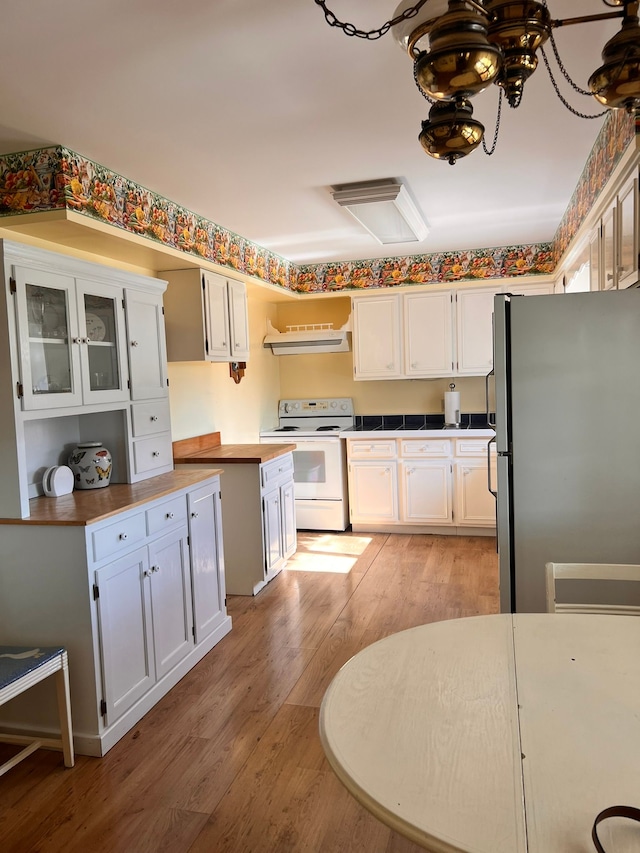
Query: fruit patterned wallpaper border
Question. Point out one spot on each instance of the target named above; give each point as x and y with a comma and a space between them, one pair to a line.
57, 178
616, 134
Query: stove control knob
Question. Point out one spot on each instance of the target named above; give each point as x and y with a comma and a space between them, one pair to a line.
296, 405
287, 408
343, 407
333, 404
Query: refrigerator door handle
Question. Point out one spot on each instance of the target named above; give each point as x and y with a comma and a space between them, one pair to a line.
489, 481
490, 422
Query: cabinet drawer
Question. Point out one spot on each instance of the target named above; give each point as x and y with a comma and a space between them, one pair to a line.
118, 536
473, 447
167, 515
150, 418
425, 448
150, 453
383, 449
276, 469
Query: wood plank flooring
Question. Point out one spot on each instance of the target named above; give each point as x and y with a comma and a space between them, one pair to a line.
230, 760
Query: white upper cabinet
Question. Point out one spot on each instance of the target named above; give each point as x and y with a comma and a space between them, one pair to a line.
474, 331
238, 320
627, 242
377, 338
206, 317
615, 240
146, 341
427, 334
428, 338
71, 333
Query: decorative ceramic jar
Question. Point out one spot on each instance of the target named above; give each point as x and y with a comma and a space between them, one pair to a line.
91, 465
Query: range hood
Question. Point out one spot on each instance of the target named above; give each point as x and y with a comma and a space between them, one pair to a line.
300, 340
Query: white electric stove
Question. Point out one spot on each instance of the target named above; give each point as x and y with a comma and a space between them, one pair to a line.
320, 458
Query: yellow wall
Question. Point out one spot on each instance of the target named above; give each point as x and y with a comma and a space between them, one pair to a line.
331, 374
204, 398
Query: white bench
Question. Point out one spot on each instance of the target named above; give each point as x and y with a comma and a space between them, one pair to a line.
20, 668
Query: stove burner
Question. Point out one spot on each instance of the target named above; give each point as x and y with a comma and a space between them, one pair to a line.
286, 429
327, 428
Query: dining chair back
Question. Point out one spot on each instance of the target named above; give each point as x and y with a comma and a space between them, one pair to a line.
590, 572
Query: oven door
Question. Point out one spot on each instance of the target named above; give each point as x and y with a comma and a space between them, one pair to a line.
319, 466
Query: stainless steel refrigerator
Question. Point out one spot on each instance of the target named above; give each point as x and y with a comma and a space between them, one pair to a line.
567, 379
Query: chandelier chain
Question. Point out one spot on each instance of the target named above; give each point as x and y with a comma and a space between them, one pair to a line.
490, 151
561, 96
371, 35
420, 89
564, 71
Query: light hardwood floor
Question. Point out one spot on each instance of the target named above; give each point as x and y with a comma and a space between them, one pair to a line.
230, 760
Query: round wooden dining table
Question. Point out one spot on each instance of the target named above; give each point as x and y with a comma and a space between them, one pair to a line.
494, 734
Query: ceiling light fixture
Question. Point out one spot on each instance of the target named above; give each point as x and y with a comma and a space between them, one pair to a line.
460, 47
385, 208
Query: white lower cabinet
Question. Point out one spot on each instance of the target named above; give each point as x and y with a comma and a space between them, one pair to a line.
259, 519
475, 505
278, 513
420, 485
137, 599
279, 516
128, 670
207, 560
426, 491
373, 491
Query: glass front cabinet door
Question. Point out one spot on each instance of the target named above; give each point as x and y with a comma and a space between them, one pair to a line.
71, 338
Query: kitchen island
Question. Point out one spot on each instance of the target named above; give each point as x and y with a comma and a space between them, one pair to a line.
259, 523
130, 580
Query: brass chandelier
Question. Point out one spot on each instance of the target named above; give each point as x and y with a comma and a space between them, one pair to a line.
476, 43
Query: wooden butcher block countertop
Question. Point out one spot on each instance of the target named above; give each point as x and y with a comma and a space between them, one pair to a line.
86, 506
208, 449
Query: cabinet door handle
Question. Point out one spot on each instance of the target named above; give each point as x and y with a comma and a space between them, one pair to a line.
156, 453
169, 515
147, 573
390, 367
155, 568
122, 536
194, 515
77, 340
154, 417
134, 343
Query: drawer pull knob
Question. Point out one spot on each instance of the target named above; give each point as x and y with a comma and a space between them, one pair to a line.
134, 343
194, 515
154, 417
122, 536
146, 573
156, 453
169, 515
155, 568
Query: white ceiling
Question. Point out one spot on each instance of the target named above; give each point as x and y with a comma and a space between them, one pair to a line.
246, 112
